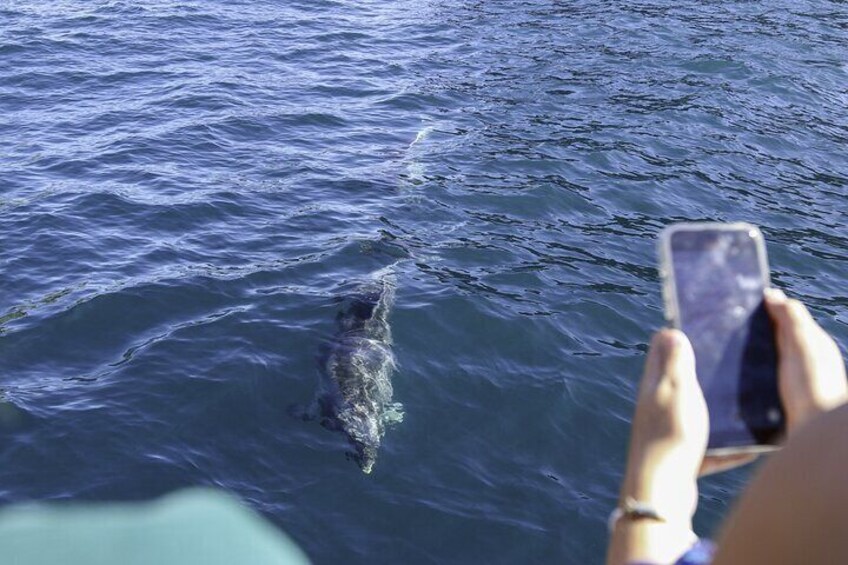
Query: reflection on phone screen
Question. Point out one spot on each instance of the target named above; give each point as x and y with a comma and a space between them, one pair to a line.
719, 284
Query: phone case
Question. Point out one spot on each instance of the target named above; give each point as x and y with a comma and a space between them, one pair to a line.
669, 291
667, 273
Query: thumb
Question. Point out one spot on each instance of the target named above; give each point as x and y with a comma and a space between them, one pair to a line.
791, 318
670, 364
677, 359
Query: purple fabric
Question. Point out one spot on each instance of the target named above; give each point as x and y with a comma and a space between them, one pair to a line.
699, 554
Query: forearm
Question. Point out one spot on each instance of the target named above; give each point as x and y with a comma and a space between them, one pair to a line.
646, 539
649, 541
667, 444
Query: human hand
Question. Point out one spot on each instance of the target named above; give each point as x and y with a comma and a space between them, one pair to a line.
670, 429
667, 443
811, 372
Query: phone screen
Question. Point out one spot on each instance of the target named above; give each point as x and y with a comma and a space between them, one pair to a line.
719, 280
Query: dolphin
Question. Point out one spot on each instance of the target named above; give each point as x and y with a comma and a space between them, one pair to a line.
356, 367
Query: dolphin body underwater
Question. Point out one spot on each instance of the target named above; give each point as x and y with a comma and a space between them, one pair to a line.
356, 366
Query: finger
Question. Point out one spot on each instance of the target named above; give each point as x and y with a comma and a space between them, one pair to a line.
670, 369
718, 463
654, 363
793, 322
786, 312
678, 359
774, 296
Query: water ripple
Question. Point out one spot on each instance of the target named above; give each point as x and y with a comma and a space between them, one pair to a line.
187, 186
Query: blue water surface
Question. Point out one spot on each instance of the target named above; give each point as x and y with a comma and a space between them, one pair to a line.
187, 187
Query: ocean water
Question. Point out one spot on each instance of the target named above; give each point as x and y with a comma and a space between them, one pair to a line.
186, 188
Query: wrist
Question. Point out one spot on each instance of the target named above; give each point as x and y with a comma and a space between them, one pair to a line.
674, 495
636, 537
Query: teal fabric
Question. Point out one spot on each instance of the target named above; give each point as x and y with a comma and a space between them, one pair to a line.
197, 526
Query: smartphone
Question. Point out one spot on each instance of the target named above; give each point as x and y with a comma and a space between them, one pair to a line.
714, 278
